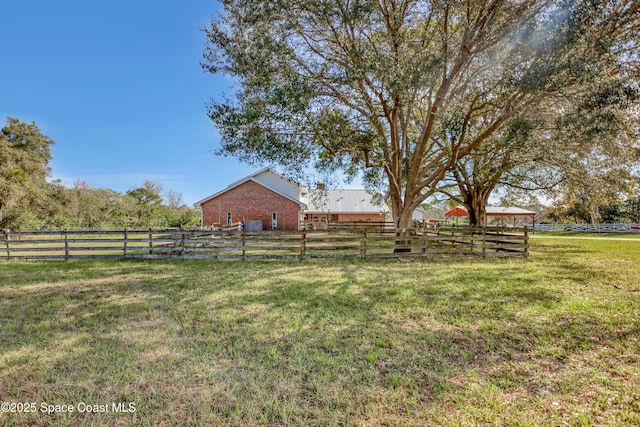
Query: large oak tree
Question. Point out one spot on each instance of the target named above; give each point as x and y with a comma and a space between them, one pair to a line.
591, 151
401, 90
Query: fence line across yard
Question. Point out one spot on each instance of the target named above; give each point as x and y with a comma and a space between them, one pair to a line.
354, 243
590, 228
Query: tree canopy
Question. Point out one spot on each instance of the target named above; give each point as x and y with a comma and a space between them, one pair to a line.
24, 162
30, 200
403, 90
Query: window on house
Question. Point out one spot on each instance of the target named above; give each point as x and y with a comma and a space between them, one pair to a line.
274, 220
229, 218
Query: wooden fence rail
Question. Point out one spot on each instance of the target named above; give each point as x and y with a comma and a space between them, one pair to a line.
201, 243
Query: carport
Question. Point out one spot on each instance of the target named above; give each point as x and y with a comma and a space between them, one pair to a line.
500, 212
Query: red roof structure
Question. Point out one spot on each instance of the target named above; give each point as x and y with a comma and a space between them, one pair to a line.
457, 212
495, 211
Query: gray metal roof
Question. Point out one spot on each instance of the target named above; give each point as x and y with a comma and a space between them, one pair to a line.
511, 210
343, 201
493, 211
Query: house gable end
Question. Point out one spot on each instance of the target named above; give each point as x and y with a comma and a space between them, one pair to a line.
278, 183
251, 200
292, 192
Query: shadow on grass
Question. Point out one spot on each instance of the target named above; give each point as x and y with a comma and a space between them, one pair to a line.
341, 342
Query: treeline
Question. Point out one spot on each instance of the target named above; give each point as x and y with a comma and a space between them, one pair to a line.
80, 207
579, 213
30, 200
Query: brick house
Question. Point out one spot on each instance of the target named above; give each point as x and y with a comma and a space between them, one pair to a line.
264, 195
282, 204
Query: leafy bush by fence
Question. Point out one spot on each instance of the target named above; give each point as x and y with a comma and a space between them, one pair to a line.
353, 243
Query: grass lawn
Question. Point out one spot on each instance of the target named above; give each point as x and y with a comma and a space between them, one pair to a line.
551, 340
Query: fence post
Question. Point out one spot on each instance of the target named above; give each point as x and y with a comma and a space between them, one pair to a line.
182, 248
150, 241
363, 244
484, 240
244, 242
526, 241
7, 236
124, 248
303, 244
66, 244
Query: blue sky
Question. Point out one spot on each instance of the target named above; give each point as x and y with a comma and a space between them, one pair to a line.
118, 86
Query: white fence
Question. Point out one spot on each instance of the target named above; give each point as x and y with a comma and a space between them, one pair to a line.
591, 228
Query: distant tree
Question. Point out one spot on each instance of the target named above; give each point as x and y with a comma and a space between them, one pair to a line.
147, 205
145, 197
508, 159
173, 199
596, 181
401, 89
54, 208
93, 207
177, 213
628, 211
613, 213
24, 168
152, 206
153, 187
632, 209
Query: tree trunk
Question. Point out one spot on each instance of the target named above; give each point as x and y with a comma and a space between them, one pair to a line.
476, 204
477, 213
402, 216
